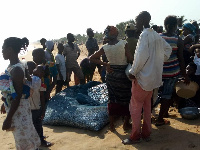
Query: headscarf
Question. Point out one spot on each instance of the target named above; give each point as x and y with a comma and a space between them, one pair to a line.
111, 32
190, 27
49, 45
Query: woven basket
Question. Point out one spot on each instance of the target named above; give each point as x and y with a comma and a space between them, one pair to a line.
186, 91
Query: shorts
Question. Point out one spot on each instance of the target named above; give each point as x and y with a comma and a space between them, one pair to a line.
168, 87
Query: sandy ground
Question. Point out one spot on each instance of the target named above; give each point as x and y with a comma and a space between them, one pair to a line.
181, 134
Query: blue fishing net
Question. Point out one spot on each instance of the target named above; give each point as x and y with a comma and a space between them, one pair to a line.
82, 106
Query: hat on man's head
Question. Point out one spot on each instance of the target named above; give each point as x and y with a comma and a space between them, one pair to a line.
89, 30
130, 26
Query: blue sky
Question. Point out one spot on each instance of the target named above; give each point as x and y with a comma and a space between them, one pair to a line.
53, 19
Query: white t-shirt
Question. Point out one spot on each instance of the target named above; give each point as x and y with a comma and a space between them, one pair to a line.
60, 60
197, 62
36, 88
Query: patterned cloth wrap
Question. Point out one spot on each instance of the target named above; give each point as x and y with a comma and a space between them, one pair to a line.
7, 88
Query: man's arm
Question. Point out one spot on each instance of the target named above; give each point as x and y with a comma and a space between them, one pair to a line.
78, 50
167, 50
58, 67
96, 45
141, 55
181, 60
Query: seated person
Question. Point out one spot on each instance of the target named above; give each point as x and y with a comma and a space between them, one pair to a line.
194, 101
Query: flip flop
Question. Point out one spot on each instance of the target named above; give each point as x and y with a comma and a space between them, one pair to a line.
165, 122
44, 143
129, 141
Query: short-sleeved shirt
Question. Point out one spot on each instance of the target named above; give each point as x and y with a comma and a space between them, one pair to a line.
60, 60
71, 55
36, 87
91, 46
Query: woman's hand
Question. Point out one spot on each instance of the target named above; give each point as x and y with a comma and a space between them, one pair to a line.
186, 80
6, 124
108, 69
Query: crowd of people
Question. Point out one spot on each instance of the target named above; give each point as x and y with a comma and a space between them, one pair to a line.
158, 58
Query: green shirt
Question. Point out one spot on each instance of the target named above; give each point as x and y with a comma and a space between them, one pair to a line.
132, 43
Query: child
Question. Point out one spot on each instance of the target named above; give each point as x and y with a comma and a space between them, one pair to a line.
87, 70
197, 58
39, 58
60, 63
194, 101
37, 99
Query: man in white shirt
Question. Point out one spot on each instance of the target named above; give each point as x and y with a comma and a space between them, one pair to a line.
146, 73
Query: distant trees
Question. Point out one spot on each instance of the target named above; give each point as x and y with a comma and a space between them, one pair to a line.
81, 39
181, 20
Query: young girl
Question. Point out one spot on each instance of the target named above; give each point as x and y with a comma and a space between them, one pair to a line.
16, 102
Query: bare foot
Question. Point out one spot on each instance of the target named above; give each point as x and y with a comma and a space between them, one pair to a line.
112, 127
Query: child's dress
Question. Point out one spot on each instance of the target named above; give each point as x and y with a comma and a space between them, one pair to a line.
26, 137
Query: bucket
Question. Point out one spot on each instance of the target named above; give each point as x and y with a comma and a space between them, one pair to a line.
186, 91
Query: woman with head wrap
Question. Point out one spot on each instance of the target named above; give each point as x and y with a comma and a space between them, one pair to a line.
188, 40
119, 86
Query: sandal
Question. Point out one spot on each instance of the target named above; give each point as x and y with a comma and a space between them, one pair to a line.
129, 141
44, 143
164, 122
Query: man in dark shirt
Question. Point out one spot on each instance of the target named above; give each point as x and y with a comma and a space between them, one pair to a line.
91, 43
92, 46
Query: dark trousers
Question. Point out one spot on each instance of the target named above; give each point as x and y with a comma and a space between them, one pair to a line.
37, 122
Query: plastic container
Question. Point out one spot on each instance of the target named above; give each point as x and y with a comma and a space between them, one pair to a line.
186, 91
